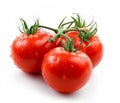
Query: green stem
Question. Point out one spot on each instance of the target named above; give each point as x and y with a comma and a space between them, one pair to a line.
54, 37
55, 30
66, 36
67, 23
58, 34
68, 42
71, 29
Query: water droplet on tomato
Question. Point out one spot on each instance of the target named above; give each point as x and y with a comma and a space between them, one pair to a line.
36, 53
64, 76
55, 58
72, 66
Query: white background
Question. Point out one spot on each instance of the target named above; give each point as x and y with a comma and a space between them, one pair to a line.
18, 87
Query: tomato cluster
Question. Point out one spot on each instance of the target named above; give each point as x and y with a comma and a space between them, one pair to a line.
65, 59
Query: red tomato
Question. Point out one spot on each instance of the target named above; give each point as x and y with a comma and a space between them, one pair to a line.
66, 71
94, 51
27, 51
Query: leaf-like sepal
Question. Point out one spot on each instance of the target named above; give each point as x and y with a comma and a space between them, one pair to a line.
29, 31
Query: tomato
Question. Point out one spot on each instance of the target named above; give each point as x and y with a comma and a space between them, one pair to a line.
28, 50
94, 51
66, 71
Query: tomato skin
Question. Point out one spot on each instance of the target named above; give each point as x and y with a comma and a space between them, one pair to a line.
27, 51
66, 71
94, 51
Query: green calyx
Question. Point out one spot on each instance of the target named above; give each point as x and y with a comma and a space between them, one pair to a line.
79, 22
87, 31
29, 31
69, 46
